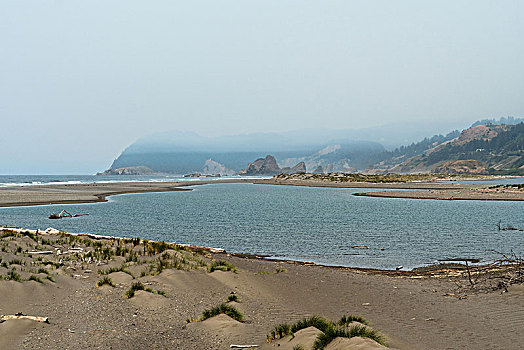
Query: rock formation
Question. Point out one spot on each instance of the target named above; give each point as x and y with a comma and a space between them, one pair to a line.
262, 166
299, 168
318, 170
268, 166
131, 170
213, 168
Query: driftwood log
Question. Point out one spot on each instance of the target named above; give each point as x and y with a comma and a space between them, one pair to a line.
64, 214
466, 260
21, 316
41, 252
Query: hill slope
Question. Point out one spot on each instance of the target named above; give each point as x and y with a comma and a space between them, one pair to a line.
481, 149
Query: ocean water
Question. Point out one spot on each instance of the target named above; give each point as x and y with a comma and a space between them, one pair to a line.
298, 223
32, 180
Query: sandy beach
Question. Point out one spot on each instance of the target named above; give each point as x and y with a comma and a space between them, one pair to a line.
98, 192
90, 193
411, 310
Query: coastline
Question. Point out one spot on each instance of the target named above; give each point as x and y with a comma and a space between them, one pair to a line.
418, 310
90, 193
98, 192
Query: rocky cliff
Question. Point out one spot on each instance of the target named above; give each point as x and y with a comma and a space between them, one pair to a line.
213, 168
268, 166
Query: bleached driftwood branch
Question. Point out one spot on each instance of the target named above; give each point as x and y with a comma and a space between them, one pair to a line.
23, 317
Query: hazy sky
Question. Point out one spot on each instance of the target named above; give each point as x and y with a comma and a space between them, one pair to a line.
81, 80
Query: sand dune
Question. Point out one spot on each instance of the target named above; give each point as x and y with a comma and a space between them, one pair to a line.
412, 311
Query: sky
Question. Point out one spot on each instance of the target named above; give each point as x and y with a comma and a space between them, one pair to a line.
81, 80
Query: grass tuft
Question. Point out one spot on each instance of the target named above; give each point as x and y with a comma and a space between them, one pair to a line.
43, 270
105, 281
232, 297
346, 320
229, 310
35, 278
222, 265
285, 329
116, 269
12, 275
279, 331
316, 321
50, 278
329, 329
134, 287
356, 331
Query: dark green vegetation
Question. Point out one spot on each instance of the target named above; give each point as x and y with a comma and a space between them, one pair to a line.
380, 178
355, 331
221, 265
346, 320
511, 187
330, 330
231, 298
496, 149
414, 149
507, 146
136, 286
229, 310
35, 278
105, 281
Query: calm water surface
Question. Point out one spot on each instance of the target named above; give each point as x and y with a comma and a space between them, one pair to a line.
300, 223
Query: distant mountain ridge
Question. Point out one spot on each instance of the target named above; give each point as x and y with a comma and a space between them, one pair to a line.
489, 147
182, 153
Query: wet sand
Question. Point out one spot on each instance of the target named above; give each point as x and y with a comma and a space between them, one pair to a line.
89, 193
412, 310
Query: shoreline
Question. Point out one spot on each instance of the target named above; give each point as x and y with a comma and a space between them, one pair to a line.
98, 192
422, 270
446, 195
423, 310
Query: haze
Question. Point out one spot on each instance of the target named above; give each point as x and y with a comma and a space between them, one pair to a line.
81, 80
